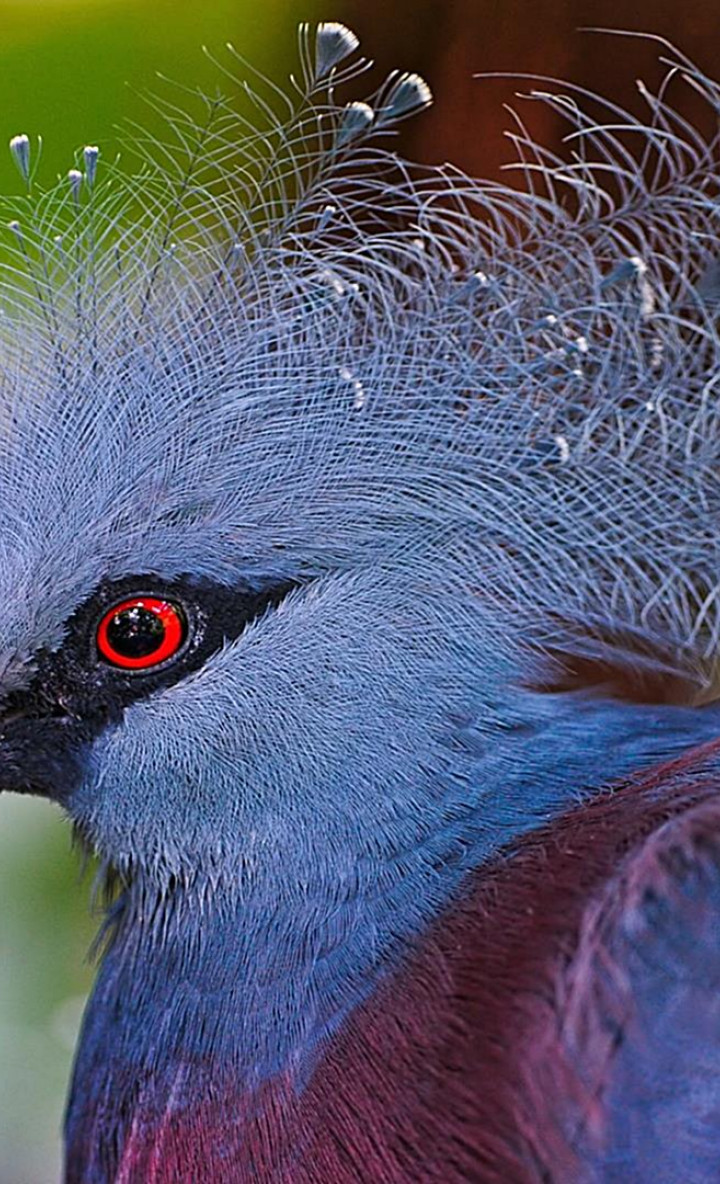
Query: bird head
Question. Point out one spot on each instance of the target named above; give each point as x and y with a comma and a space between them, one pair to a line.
318, 477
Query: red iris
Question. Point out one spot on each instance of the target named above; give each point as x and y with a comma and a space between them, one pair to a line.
141, 632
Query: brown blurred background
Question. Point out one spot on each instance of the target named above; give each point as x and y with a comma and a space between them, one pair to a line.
451, 41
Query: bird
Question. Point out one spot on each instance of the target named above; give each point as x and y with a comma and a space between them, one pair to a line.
360, 612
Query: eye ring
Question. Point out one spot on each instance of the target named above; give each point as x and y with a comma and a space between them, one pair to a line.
141, 632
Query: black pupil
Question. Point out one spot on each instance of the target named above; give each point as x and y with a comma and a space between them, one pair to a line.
135, 632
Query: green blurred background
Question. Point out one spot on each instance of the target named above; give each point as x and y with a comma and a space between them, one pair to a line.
71, 70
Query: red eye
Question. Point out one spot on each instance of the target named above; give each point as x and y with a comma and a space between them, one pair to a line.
141, 632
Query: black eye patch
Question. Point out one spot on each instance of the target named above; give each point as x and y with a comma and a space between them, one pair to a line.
106, 662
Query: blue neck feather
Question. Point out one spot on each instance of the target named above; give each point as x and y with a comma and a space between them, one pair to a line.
254, 981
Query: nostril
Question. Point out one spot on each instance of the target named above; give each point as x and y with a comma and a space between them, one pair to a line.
24, 707
10, 717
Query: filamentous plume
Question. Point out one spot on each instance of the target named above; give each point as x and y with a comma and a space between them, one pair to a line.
539, 336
